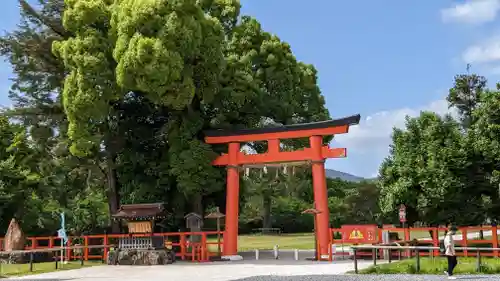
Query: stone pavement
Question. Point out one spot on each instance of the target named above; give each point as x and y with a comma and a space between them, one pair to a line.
217, 271
235, 271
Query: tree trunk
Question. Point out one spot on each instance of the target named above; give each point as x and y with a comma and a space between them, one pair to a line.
112, 192
197, 205
266, 211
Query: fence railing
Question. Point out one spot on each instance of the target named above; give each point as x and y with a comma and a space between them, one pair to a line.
468, 236
417, 253
57, 259
424, 236
178, 240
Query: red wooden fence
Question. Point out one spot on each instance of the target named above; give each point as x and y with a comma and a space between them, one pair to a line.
195, 251
208, 247
424, 237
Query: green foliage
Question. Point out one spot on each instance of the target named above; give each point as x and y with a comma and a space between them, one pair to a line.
444, 171
142, 81
465, 96
288, 215
111, 99
281, 198
421, 171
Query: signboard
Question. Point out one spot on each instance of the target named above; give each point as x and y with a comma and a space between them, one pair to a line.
402, 213
359, 233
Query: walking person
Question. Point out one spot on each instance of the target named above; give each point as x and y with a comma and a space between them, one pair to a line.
449, 246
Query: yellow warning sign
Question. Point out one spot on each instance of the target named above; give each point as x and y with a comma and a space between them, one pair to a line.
356, 234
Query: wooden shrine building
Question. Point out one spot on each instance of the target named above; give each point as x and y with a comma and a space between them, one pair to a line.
141, 218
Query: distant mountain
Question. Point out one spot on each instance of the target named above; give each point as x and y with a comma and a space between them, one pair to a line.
334, 174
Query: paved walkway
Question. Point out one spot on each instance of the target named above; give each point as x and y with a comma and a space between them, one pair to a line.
235, 271
199, 272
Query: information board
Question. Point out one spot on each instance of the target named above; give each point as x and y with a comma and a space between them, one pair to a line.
359, 234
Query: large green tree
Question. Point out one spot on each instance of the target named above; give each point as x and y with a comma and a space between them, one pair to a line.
142, 80
484, 140
193, 64
427, 171
37, 80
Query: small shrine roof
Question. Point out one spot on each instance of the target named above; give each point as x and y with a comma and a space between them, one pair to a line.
140, 211
215, 214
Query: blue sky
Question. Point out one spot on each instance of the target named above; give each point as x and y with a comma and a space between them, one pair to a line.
382, 59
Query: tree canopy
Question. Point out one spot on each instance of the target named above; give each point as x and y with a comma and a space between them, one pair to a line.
444, 169
118, 94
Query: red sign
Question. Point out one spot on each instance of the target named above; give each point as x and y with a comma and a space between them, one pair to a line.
359, 233
402, 213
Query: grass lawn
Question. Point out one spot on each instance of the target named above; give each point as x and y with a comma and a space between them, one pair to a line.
416, 234
427, 235
7, 270
435, 266
301, 241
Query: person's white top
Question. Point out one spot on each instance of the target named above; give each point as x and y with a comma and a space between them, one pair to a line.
449, 244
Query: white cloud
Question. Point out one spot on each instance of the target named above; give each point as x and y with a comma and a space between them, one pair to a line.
472, 11
484, 52
373, 135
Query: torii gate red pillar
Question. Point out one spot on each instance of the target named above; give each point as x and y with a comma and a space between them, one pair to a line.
320, 195
232, 201
315, 154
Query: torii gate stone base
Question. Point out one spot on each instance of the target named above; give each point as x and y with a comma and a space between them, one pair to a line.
315, 154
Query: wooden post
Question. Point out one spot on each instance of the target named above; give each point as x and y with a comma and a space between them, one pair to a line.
330, 252
204, 248
68, 251
464, 241
407, 238
31, 261
86, 250
435, 241
218, 235
105, 244
355, 261
478, 261
183, 246
417, 252
494, 237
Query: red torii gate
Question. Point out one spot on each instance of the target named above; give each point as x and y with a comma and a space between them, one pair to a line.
315, 154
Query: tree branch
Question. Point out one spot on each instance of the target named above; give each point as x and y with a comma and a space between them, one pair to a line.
56, 27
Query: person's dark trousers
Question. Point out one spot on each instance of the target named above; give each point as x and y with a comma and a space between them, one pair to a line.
452, 262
